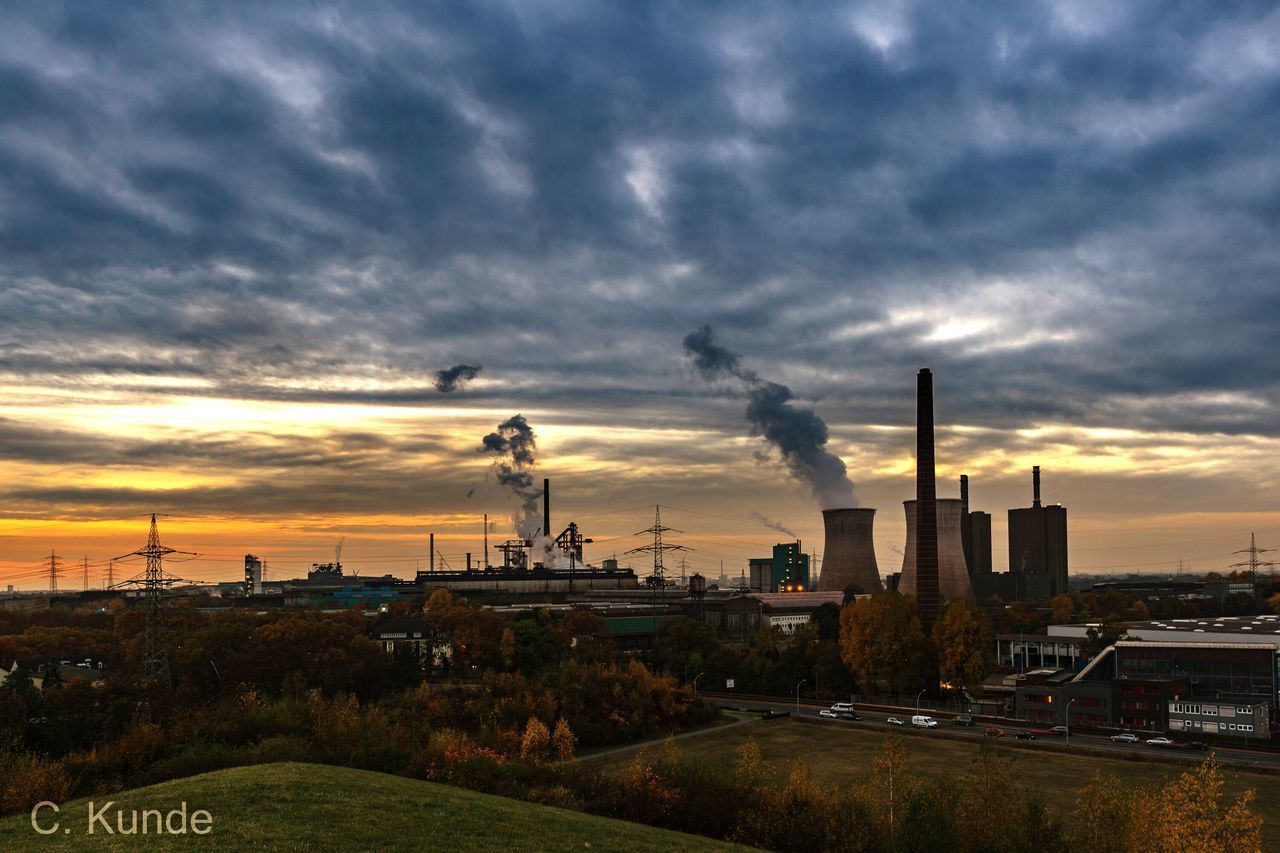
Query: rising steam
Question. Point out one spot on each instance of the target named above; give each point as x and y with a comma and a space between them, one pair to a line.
515, 445
453, 378
773, 525
799, 435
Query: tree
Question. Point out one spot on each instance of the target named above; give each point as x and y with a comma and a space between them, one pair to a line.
882, 642
1189, 814
1101, 816
891, 783
1098, 637
827, 618
1062, 607
536, 742
563, 741
964, 641
1274, 603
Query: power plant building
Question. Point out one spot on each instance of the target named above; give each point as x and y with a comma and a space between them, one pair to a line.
786, 571
953, 573
849, 556
1038, 545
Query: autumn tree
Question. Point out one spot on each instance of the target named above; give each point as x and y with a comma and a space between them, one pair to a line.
1062, 608
1101, 816
964, 642
536, 743
891, 782
563, 741
882, 642
1190, 814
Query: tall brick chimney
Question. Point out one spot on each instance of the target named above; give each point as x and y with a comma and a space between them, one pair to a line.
927, 599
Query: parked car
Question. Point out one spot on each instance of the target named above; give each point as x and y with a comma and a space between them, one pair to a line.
920, 721
1060, 731
992, 731
962, 720
1125, 737
1159, 741
850, 715
1025, 735
827, 713
894, 721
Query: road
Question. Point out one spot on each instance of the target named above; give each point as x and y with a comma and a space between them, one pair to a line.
877, 719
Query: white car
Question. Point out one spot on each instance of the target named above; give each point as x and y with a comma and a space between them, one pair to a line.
894, 721
826, 712
1159, 741
1125, 737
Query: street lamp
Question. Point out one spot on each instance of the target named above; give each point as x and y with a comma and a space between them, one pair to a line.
1070, 702
918, 695
802, 681
695, 684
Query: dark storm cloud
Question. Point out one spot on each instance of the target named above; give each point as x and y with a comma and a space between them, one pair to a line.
1067, 211
453, 378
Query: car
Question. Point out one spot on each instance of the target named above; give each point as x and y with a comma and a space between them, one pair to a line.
1124, 737
827, 713
1159, 741
771, 714
992, 731
840, 707
850, 715
1024, 735
962, 720
894, 721
1197, 744
1060, 731
920, 721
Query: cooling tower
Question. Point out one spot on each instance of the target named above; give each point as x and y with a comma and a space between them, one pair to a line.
953, 574
849, 556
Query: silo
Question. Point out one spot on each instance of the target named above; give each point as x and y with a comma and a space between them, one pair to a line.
953, 573
849, 556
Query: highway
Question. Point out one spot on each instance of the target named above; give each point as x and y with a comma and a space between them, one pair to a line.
876, 719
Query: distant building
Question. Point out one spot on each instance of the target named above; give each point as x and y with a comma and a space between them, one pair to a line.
427, 644
1233, 719
786, 571
1038, 545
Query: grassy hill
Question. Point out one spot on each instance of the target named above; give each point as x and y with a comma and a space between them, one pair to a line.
309, 807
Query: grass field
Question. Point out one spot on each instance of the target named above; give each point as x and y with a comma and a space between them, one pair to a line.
837, 754
315, 807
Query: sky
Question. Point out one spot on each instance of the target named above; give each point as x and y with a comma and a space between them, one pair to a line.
239, 241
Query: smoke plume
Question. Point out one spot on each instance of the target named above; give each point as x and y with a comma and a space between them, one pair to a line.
773, 525
799, 435
515, 445
453, 378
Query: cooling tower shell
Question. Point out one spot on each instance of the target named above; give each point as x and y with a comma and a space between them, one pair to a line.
849, 556
953, 574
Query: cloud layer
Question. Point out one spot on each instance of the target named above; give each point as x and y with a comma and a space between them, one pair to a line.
1067, 210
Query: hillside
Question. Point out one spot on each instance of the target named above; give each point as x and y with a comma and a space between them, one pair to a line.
307, 806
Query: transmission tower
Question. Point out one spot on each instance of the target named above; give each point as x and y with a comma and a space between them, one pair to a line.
658, 548
55, 563
154, 661
1253, 563
111, 573
657, 581
84, 574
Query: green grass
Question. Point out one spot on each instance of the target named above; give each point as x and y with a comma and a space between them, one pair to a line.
317, 807
842, 754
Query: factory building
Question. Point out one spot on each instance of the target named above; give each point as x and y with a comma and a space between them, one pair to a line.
786, 571
1038, 545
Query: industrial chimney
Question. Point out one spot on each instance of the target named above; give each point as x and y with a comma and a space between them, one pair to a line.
953, 572
1035, 486
546, 508
849, 556
926, 521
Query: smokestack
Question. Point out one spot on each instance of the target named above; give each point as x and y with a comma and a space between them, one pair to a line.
966, 532
964, 494
431, 546
927, 603
1035, 486
546, 508
849, 556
